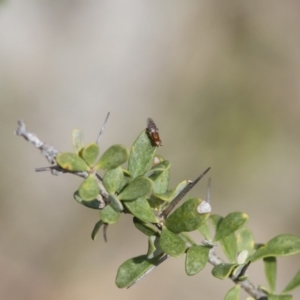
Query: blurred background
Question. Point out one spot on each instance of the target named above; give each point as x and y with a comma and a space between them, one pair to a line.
220, 79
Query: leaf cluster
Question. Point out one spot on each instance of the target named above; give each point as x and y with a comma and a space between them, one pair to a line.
142, 190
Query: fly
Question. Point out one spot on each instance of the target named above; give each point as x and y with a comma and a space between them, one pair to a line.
153, 132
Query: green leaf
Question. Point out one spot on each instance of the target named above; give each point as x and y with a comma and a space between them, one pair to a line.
71, 162
245, 240
171, 243
160, 181
223, 270
153, 247
89, 188
113, 179
139, 187
228, 244
280, 297
170, 195
196, 259
231, 223
126, 173
281, 245
96, 229
141, 209
77, 140
233, 293
270, 265
242, 257
189, 242
158, 168
141, 155
115, 202
109, 214
215, 220
238, 273
94, 204
113, 157
133, 268
90, 154
204, 230
145, 228
295, 282
186, 218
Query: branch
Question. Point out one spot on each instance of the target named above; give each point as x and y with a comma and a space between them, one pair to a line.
213, 259
50, 153
246, 285
47, 150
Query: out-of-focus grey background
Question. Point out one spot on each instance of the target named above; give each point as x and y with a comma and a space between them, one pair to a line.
221, 80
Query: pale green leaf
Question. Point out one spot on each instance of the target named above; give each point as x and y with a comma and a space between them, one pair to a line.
171, 243
71, 162
270, 265
141, 155
233, 293
281, 245
89, 188
196, 259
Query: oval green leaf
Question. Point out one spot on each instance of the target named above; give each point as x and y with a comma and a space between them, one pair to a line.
171, 243
189, 242
295, 282
89, 188
153, 247
280, 297
113, 157
223, 270
242, 257
204, 230
231, 223
109, 215
245, 240
270, 265
141, 155
141, 209
90, 153
113, 179
94, 204
71, 162
228, 244
115, 202
196, 259
170, 195
158, 168
233, 293
160, 181
139, 187
238, 273
77, 140
145, 228
281, 245
96, 229
186, 218
133, 268
215, 220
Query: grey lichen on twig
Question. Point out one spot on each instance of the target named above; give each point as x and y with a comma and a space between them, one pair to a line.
50, 153
47, 150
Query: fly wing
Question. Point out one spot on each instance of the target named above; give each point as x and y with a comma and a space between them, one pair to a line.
151, 125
